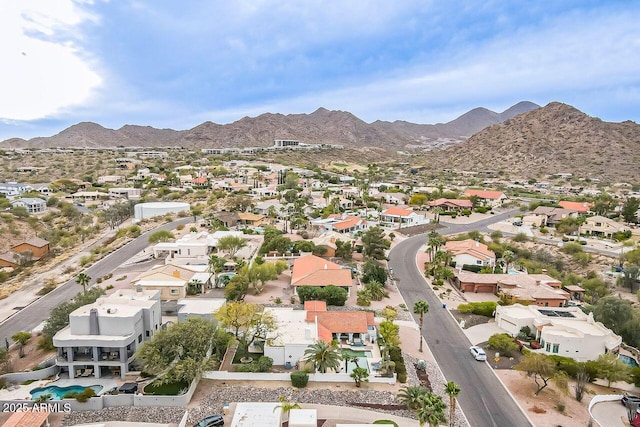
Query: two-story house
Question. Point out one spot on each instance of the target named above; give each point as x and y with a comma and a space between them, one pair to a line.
102, 337
602, 226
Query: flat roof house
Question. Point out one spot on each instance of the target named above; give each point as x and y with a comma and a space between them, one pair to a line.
566, 331
172, 280
102, 337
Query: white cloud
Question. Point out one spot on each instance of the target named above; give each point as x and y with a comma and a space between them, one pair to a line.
43, 71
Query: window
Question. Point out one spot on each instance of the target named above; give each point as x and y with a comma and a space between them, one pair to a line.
556, 347
478, 262
140, 338
542, 343
147, 334
548, 347
174, 292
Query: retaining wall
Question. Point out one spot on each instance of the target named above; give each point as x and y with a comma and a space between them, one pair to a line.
269, 376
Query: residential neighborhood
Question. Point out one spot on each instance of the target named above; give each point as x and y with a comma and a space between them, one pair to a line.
254, 269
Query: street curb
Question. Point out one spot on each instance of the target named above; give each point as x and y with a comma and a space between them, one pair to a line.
492, 370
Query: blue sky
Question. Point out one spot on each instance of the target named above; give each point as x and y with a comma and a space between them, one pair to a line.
175, 65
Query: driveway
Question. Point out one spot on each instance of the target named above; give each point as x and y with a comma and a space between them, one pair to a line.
610, 414
481, 333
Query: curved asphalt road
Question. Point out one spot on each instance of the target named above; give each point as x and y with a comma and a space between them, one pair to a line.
36, 312
483, 398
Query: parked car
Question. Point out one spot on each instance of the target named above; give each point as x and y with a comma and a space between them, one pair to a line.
210, 421
629, 398
478, 353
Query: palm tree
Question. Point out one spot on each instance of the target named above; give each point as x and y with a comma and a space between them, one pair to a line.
508, 257
421, 308
83, 280
436, 214
323, 356
431, 410
409, 395
452, 390
286, 406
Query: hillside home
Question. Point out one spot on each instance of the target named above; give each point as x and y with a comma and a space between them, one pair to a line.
33, 205
111, 179
402, 217
14, 189
451, 205
487, 197
565, 332
43, 188
192, 248
102, 338
236, 219
270, 191
339, 223
311, 270
128, 193
199, 307
37, 246
297, 329
601, 226
470, 252
328, 240
172, 280
536, 289
582, 208
552, 216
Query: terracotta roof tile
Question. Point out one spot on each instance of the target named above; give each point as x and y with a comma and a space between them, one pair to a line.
484, 194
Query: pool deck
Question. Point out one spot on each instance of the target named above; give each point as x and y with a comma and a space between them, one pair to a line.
21, 392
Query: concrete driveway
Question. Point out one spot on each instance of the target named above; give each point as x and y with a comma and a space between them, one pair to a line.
610, 414
481, 333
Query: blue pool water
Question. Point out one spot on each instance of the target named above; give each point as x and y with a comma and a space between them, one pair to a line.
362, 359
512, 271
57, 393
628, 360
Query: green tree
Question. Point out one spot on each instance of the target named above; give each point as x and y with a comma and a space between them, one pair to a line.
613, 312
431, 410
83, 280
603, 204
22, 338
421, 308
611, 368
237, 288
344, 250
180, 353
196, 211
372, 271
248, 321
508, 257
216, 264
434, 242
360, 375
630, 209
540, 367
286, 405
503, 343
374, 244
418, 199
409, 396
323, 356
161, 236
452, 390
231, 244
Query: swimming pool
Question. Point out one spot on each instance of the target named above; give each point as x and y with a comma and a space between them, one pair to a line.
360, 355
57, 393
628, 360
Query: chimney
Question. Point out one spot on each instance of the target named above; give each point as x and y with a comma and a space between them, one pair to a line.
325, 266
176, 273
138, 287
477, 244
94, 326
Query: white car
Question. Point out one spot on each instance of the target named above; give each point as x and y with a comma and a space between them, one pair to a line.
478, 353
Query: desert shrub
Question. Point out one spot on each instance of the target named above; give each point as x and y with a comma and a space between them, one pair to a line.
473, 268
376, 290
481, 209
278, 300
486, 308
572, 248
395, 354
466, 212
48, 287
520, 237
263, 364
364, 298
299, 379
503, 343
180, 227
560, 407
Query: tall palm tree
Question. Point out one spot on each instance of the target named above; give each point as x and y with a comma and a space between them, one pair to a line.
452, 390
323, 356
286, 405
508, 257
431, 410
83, 280
421, 308
436, 214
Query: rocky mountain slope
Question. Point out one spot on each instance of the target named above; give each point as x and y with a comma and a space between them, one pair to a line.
556, 138
321, 126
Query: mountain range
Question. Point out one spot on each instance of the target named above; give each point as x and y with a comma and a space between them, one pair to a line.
321, 126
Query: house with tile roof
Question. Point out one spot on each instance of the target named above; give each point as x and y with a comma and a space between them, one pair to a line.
602, 226
451, 205
298, 329
340, 223
550, 215
172, 279
536, 289
470, 252
311, 270
580, 207
403, 217
487, 197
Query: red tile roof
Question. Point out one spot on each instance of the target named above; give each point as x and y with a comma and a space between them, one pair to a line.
397, 211
311, 270
470, 247
26, 419
462, 203
581, 207
484, 194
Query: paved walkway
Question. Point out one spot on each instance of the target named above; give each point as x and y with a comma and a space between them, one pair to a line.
481, 333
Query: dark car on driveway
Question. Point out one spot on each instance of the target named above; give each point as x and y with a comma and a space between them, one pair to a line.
628, 399
210, 421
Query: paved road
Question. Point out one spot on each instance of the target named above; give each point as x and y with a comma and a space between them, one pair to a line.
483, 399
36, 312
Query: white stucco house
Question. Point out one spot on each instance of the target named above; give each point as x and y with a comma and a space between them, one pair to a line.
470, 252
102, 337
192, 248
33, 205
565, 331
